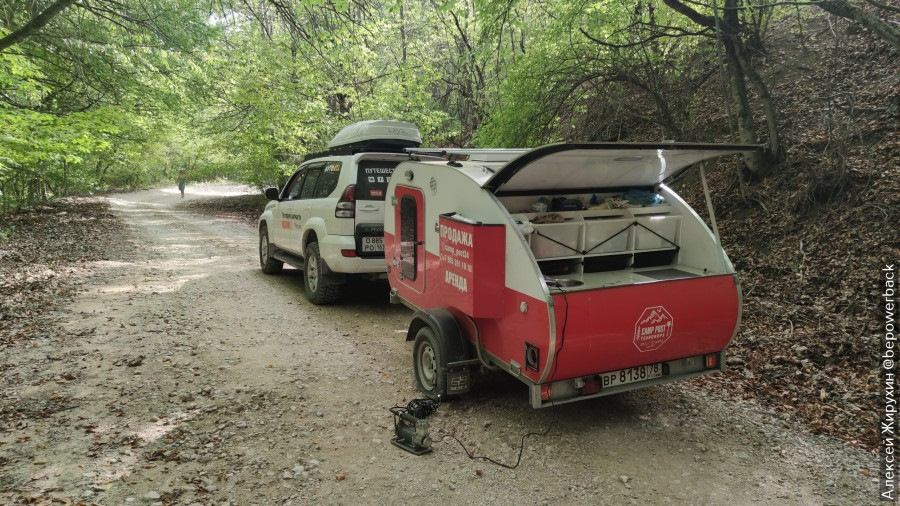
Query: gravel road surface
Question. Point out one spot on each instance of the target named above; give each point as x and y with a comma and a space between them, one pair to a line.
192, 378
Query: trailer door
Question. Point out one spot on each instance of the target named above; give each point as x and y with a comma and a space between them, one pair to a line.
409, 217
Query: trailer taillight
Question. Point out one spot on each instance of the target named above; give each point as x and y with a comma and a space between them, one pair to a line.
545, 392
590, 387
346, 204
712, 361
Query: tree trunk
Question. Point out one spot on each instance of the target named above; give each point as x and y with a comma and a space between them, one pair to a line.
765, 97
729, 31
756, 162
865, 18
65, 182
403, 35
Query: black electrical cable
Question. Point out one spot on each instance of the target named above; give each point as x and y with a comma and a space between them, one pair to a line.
562, 335
472, 456
422, 408
419, 408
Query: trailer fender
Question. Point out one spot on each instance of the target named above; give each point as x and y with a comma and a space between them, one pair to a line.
455, 366
445, 326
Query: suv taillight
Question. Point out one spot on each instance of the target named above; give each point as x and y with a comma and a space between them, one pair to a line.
346, 204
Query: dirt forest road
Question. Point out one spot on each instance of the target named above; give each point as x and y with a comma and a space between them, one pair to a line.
192, 378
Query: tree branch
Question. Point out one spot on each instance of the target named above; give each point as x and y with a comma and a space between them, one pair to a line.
652, 37
872, 22
694, 16
884, 6
35, 24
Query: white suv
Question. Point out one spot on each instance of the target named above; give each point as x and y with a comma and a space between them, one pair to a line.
329, 218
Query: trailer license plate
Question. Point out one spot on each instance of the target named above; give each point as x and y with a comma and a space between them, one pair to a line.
370, 244
632, 375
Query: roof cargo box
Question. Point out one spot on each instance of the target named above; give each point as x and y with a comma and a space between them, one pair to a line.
377, 135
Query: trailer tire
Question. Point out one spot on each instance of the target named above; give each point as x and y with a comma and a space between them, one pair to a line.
267, 263
429, 364
318, 289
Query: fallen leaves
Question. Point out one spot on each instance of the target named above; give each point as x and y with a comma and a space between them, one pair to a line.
44, 251
246, 208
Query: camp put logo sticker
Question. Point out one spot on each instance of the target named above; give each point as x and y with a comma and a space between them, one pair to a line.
653, 328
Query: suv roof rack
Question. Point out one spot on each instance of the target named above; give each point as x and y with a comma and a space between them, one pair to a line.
471, 154
373, 146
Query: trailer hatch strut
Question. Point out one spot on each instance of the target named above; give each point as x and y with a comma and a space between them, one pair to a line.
709, 206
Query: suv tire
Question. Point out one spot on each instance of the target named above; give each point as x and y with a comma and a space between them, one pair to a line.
267, 262
318, 290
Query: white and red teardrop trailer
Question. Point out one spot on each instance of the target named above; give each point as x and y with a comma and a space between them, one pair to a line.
536, 262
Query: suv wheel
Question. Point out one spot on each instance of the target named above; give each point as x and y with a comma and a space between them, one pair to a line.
318, 290
267, 262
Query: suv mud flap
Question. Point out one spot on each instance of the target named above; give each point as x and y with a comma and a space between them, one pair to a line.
331, 277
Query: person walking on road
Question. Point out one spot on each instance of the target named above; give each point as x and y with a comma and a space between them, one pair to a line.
181, 182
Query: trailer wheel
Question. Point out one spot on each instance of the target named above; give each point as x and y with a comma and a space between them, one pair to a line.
267, 263
429, 364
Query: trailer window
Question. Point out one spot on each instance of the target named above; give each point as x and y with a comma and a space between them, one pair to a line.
373, 179
408, 238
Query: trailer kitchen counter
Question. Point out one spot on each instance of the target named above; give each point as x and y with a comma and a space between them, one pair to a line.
622, 277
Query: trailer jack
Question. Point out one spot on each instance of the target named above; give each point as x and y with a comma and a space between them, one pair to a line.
411, 426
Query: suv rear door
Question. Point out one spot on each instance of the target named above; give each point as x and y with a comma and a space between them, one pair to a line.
371, 188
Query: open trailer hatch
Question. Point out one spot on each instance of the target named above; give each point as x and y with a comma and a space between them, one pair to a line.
594, 166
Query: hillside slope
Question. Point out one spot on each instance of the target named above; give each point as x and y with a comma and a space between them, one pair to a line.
810, 240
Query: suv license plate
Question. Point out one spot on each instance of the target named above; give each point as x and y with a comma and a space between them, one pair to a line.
632, 375
372, 244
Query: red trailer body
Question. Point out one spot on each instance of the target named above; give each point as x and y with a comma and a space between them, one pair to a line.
576, 303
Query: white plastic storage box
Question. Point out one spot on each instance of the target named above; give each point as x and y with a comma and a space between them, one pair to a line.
613, 231
663, 226
565, 235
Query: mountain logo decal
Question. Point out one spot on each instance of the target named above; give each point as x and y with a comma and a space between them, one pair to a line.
653, 328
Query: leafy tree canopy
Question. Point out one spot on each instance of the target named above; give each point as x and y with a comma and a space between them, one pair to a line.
98, 94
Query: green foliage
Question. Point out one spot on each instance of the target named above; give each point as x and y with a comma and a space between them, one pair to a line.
247, 93
272, 94
597, 59
80, 99
123, 94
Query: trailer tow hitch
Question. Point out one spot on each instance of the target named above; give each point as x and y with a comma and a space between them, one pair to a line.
411, 425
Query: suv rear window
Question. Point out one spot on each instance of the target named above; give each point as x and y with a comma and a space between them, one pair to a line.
373, 178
